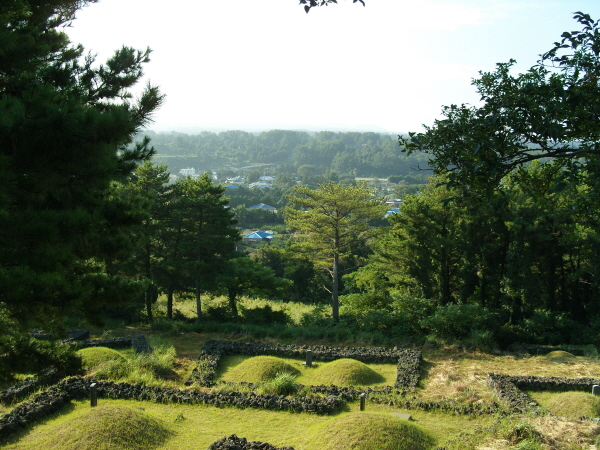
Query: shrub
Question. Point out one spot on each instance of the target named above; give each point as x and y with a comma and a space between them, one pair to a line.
456, 322
526, 436
482, 340
20, 353
411, 310
265, 316
218, 313
549, 327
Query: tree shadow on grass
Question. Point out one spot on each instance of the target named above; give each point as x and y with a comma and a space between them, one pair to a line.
424, 369
15, 437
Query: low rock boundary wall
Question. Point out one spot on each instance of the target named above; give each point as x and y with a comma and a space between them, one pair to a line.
533, 349
30, 385
509, 389
408, 360
138, 342
78, 388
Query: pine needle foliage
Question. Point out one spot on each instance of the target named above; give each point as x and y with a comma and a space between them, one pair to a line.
334, 220
67, 139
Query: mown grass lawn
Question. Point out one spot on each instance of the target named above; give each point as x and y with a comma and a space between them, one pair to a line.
196, 427
447, 373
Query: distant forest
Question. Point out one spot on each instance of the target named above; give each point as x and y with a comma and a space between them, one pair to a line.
357, 154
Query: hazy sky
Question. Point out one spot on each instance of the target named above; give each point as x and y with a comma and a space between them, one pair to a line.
390, 66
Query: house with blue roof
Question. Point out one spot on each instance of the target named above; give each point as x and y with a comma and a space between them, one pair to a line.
258, 236
263, 206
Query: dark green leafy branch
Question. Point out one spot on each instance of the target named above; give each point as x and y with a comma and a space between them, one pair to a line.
308, 4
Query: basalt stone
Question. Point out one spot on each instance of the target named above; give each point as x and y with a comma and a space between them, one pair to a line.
235, 443
78, 335
41, 405
408, 370
140, 344
137, 342
508, 393
30, 385
71, 335
121, 342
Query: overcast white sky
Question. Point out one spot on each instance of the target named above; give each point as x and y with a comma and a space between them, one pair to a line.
390, 66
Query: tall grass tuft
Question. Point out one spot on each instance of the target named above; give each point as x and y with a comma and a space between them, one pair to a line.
143, 368
284, 383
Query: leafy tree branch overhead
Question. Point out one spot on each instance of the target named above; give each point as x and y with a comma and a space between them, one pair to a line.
308, 4
551, 111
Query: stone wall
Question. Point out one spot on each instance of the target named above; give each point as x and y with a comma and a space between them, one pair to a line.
138, 342
533, 349
408, 371
30, 385
509, 389
78, 388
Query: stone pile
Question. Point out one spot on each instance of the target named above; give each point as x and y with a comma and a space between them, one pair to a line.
235, 443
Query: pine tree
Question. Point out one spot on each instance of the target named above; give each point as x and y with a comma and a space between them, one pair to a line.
67, 130
198, 239
335, 220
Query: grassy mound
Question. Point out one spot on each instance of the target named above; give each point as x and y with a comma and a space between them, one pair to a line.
347, 372
574, 404
94, 357
260, 368
560, 356
370, 431
109, 428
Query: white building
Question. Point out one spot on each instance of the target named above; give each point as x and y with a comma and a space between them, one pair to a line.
189, 172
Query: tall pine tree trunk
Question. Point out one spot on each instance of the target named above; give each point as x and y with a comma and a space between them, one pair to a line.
335, 306
148, 300
170, 303
149, 294
231, 295
198, 301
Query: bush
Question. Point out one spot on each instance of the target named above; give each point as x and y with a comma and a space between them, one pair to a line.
544, 327
411, 311
218, 313
525, 436
265, 316
20, 353
456, 322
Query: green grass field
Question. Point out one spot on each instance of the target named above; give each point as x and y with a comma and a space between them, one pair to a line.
447, 374
231, 369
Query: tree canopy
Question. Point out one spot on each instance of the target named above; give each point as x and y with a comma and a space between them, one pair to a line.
550, 113
336, 220
67, 131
